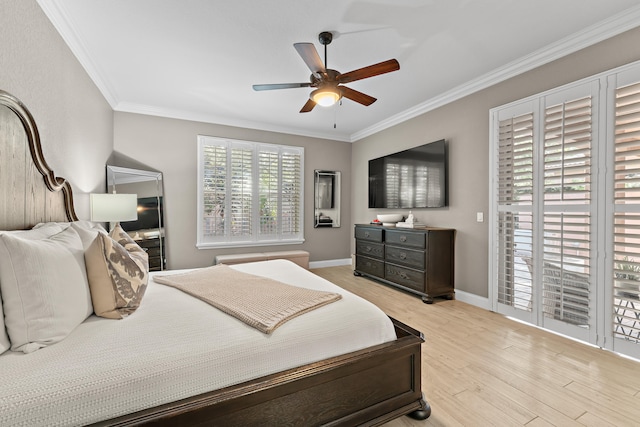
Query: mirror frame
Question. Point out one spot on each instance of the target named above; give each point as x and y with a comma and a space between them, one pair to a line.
326, 198
131, 176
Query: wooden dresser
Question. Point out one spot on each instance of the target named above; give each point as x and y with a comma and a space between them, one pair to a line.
416, 260
155, 249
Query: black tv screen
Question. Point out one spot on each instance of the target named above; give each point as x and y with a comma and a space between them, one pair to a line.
413, 178
148, 215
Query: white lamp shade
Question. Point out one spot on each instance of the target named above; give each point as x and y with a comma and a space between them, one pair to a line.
113, 207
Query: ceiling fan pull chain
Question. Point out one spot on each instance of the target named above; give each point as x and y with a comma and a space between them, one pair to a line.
335, 114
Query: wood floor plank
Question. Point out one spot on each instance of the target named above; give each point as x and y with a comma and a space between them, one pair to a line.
523, 399
482, 369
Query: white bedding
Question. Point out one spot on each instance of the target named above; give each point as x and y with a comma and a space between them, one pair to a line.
175, 346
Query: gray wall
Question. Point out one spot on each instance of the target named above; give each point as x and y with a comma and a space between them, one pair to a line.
74, 120
170, 146
465, 123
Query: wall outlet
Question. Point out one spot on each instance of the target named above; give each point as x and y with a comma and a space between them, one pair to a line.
480, 216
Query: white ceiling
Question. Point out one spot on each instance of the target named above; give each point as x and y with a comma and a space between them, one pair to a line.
197, 59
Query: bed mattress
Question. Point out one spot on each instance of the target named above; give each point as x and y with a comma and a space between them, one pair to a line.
176, 346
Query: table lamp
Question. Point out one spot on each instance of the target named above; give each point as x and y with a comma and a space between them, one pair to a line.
113, 207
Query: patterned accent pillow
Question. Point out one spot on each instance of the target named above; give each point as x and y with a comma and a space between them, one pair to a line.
118, 273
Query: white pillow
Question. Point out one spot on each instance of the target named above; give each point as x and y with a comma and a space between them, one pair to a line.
46, 230
87, 230
44, 288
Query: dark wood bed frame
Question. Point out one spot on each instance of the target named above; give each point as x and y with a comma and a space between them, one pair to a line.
366, 387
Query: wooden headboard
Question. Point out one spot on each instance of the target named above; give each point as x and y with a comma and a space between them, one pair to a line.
29, 190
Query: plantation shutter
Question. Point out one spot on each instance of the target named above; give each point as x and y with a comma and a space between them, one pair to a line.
269, 173
249, 194
214, 194
543, 207
239, 193
514, 194
626, 268
566, 269
583, 250
291, 193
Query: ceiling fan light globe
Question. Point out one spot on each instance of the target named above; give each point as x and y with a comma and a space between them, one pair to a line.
325, 97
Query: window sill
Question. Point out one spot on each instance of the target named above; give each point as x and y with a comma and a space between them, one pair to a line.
221, 245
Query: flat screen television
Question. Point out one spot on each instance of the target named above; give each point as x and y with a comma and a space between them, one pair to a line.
148, 217
413, 178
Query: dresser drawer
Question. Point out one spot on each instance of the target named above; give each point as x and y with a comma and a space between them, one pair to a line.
152, 252
364, 247
370, 266
403, 256
148, 243
405, 238
155, 263
408, 277
369, 233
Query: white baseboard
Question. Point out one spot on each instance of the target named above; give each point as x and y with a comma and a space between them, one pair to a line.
330, 263
473, 299
463, 296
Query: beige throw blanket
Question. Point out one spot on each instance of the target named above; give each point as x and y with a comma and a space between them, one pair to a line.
258, 301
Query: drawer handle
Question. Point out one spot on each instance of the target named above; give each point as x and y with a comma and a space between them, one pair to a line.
403, 238
368, 248
145, 249
366, 234
403, 255
403, 275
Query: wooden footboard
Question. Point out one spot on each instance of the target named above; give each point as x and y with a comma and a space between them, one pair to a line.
367, 387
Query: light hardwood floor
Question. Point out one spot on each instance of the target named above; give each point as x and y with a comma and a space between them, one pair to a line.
482, 369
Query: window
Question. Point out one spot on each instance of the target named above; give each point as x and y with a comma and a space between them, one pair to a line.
249, 194
565, 210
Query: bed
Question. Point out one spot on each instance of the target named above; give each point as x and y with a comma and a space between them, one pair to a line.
374, 379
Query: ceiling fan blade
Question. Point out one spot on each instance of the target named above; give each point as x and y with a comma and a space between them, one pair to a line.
308, 106
359, 97
280, 86
310, 57
370, 71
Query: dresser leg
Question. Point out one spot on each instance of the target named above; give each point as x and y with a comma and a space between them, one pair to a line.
427, 300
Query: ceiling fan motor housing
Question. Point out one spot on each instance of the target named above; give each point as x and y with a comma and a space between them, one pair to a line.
330, 76
325, 37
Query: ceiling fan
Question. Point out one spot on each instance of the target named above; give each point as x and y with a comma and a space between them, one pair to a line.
329, 83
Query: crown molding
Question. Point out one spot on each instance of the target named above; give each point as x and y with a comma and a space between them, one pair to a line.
54, 10
596, 33
128, 107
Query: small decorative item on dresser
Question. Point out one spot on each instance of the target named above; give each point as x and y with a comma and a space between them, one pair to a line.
390, 219
410, 222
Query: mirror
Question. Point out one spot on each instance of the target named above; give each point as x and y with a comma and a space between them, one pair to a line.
148, 229
327, 199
